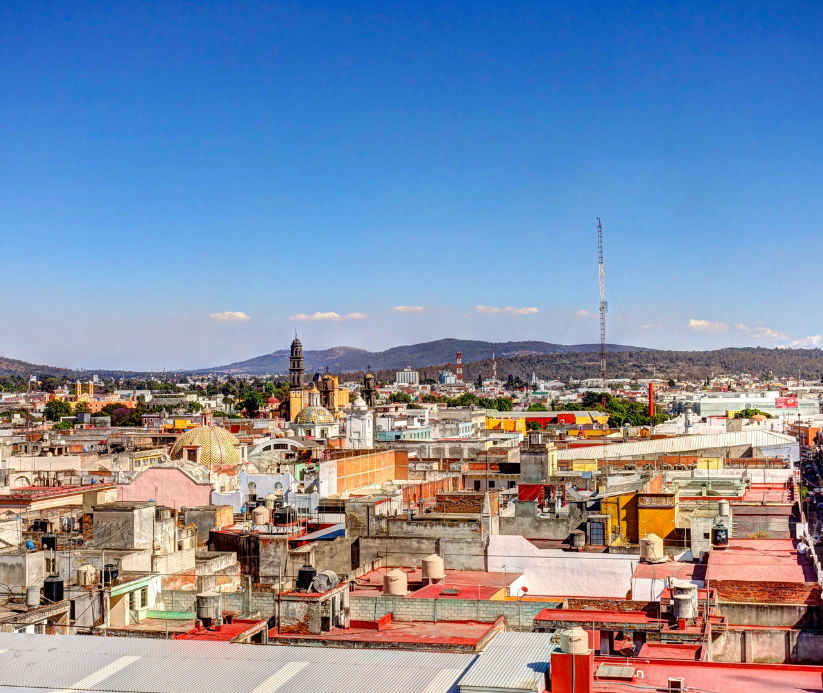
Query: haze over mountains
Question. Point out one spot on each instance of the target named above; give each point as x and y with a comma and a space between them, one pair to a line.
440, 352
545, 359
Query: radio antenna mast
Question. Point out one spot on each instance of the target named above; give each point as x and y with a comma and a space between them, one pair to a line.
603, 309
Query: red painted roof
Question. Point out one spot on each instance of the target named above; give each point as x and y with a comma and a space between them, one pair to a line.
229, 631
760, 560
586, 616
660, 571
714, 676
442, 633
659, 650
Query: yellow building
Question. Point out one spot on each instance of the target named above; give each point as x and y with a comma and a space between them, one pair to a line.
515, 425
634, 515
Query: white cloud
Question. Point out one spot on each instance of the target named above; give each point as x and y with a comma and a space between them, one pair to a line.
408, 309
582, 314
649, 327
230, 316
302, 317
487, 309
805, 343
706, 326
520, 311
331, 315
760, 332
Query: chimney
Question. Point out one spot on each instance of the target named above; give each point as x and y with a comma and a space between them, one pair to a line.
651, 402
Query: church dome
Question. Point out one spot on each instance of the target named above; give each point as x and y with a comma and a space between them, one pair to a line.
359, 404
272, 400
314, 414
217, 445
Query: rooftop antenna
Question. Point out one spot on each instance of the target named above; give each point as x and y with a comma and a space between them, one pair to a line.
603, 309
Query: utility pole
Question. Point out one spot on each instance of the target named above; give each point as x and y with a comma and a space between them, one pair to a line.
603, 308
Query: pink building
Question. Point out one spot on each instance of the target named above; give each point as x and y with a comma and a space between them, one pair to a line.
175, 487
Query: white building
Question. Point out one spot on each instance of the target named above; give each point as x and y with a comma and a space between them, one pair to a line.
360, 425
407, 377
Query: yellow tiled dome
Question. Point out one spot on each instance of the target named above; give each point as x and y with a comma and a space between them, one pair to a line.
217, 445
314, 414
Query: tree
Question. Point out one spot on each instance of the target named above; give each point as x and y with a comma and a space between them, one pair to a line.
195, 407
537, 407
479, 380
268, 388
82, 407
120, 416
400, 397
252, 403
671, 382
749, 413
532, 425
56, 409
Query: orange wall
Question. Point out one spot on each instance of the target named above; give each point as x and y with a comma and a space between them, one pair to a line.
373, 468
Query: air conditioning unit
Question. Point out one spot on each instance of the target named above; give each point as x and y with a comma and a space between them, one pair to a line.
677, 683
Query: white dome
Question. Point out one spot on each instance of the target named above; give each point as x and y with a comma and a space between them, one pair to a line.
359, 404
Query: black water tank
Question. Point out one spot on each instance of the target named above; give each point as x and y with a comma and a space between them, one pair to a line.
305, 576
53, 589
252, 498
48, 542
284, 516
109, 574
720, 536
40, 526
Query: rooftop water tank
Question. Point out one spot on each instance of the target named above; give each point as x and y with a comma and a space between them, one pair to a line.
684, 606
260, 515
578, 538
324, 581
32, 597
651, 549
395, 583
723, 508
574, 641
49, 542
208, 607
53, 589
110, 573
305, 576
87, 575
433, 568
720, 536
271, 501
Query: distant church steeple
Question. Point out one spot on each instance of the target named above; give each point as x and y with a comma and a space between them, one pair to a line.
296, 377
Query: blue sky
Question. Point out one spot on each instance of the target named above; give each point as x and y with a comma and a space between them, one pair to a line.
181, 183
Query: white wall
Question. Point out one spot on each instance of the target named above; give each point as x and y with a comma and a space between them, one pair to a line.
649, 590
558, 573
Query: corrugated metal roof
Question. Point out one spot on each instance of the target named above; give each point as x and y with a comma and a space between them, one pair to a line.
679, 444
512, 662
134, 665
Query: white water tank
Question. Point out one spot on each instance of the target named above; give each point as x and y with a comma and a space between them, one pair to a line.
689, 590
270, 501
260, 515
684, 606
433, 568
574, 641
395, 583
32, 597
723, 508
651, 549
87, 575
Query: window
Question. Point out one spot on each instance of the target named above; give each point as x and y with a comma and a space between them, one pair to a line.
477, 484
491, 483
144, 598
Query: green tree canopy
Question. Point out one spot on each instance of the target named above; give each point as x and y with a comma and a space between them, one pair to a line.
57, 408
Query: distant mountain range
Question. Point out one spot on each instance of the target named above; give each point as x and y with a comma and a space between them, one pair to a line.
437, 353
545, 359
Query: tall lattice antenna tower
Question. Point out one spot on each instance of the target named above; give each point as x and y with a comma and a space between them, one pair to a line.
603, 308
